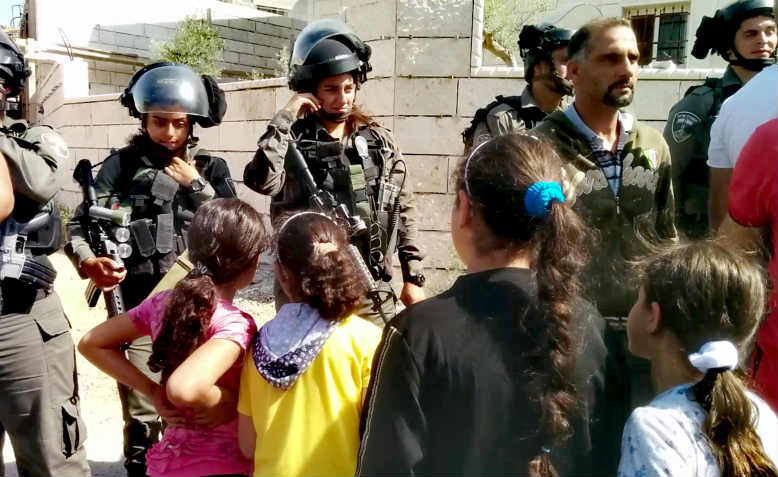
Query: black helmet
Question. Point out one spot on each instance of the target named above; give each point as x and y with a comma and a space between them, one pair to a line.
541, 40
718, 33
166, 87
13, 71
536, 43
326, 48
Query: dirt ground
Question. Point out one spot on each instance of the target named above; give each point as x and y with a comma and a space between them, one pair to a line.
99, 399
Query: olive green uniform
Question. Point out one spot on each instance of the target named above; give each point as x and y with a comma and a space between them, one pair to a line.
507, 116
39, 402
687, 133
337, 167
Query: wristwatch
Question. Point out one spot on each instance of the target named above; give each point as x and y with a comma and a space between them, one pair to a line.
417, 280
197, 184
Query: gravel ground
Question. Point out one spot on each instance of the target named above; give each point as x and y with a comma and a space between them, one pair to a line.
99, 399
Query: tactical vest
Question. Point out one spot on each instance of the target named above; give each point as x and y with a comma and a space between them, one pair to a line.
29, 234
355, 174
158, 220
530, 116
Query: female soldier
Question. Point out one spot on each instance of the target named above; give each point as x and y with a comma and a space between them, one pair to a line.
163, 177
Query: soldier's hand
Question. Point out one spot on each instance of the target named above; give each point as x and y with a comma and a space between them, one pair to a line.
181, 171
411, 294
106, 273
301, 103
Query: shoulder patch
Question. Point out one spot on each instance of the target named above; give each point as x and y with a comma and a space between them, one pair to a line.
55, 143
682, 125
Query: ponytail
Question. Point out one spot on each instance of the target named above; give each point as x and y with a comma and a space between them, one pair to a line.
557, 263
709, 293
226, 238
730, 426
184, 325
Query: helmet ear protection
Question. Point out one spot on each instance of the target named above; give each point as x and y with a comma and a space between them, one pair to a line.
217, 104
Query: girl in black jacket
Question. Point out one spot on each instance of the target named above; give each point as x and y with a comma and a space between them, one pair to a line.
481, 380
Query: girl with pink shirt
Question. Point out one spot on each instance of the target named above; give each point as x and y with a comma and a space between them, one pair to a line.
199, 338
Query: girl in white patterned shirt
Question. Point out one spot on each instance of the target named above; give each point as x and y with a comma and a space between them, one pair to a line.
698, 305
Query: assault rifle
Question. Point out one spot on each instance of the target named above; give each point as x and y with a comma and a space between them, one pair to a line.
96, 222
323, 201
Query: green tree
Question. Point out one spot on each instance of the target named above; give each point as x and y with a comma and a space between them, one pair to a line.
503, 20
196, 44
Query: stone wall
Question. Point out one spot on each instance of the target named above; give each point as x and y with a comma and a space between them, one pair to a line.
423, 87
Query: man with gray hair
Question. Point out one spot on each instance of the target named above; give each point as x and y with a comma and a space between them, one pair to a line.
619, 181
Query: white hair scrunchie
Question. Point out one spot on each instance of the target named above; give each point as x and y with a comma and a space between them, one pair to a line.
715, 354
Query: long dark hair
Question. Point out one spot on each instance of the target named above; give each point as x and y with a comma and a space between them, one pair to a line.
498, 175
708, 293
225, 238
312, 247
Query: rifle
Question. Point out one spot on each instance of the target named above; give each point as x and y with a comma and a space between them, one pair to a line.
96, 221
323, 201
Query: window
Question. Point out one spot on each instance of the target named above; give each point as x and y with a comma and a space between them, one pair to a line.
660, 31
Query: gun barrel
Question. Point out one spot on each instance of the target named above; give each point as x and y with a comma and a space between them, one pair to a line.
296, 162
118, 217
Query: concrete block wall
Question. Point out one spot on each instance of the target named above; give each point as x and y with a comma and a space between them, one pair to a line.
251, 45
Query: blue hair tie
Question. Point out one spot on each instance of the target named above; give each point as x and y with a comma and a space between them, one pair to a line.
539, 196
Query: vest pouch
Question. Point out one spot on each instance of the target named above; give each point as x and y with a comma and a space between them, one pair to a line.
141, 234
163, 189
166, 234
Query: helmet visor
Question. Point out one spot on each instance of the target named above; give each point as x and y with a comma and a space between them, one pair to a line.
171, 89
313, 33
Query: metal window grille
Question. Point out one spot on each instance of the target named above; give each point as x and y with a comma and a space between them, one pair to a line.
661, 31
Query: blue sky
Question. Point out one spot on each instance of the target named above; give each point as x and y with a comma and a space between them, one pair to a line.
5, 10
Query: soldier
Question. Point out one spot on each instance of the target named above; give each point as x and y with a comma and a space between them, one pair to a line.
544, 51
744, 34
163, 176
347, 152
39, 402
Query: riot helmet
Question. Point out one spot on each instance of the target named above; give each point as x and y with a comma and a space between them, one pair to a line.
171, 87
536, 44
717, 34
327, 48
13, 71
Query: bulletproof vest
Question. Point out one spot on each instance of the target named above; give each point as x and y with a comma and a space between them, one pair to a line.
29, 234
352, 173
158, 220
530, 116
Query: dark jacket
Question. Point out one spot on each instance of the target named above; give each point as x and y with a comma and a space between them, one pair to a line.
449, 393
687, 133
642, 212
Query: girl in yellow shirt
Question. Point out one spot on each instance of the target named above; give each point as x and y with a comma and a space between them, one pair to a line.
304, 381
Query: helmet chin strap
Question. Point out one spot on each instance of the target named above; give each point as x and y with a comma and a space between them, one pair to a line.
751, 64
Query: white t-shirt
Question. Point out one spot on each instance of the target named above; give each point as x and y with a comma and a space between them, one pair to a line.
754, 104
665, 438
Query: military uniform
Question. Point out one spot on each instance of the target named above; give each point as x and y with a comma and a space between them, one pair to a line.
352, 170
687, 133
161, 213
39, 402
506, 115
